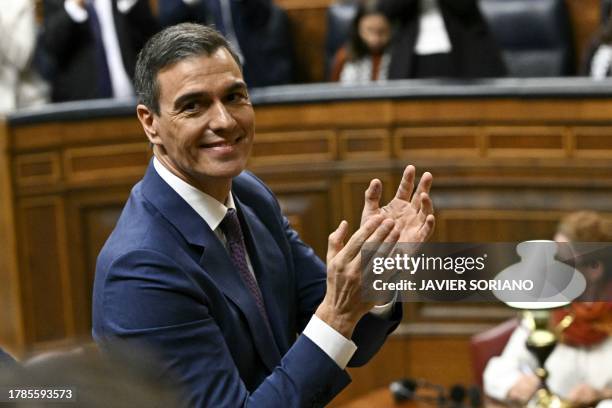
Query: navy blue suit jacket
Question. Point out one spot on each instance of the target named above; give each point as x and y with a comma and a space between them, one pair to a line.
164, 278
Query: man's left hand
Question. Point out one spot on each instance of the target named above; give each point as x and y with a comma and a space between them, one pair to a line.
413, 213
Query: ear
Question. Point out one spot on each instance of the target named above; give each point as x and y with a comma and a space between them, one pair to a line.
148, 120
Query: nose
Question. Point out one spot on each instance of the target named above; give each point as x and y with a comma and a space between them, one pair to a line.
220, 118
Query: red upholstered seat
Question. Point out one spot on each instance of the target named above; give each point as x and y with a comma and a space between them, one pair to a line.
488, 344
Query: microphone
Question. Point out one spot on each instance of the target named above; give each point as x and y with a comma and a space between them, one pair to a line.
457, 395
403, 390
406, 390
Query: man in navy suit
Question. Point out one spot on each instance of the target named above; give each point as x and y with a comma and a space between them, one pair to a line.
202, 266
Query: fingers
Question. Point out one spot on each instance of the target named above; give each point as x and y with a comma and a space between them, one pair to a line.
381, 241
423, 187
427, 228
335, 242
353, 246
372, 197
426, 206
404, 190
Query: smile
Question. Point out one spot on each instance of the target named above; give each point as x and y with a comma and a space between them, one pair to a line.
222, 145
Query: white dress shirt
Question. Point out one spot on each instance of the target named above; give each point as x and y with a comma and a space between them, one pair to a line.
336, 346
432, 37
120, 80
601, 62
567, 366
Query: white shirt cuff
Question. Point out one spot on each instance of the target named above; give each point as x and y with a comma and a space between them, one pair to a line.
124, 6
191, 2
384, 311
336, 346
76, 12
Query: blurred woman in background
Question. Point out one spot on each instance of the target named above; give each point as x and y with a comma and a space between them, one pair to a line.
365, 58
579, 367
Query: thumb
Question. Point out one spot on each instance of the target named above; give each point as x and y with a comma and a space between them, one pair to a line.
335, 242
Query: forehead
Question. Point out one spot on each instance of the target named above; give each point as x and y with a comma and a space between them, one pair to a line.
376, 19
202, 73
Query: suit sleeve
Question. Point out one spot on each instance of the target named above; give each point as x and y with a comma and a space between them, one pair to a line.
399, 9
462, 8
255, 13
148, 300
142, 25
60, 31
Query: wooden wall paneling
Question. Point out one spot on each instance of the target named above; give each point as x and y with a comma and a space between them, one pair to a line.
99, 163
307, 203
37, 169
592, 142
77, 133
364, 144
294, 147
325, 115
440, 359
490, 225
532, 141
433, 141
12, 330
92, 215
46, 290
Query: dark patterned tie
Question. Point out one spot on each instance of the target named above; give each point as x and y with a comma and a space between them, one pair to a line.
235, 242
105, 88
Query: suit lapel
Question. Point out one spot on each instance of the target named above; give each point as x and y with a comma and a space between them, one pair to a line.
269, 266
215, 259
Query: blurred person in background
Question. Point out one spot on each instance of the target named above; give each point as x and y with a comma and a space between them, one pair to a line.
579, 367
94, 44
6, 359
441, 38
120, 377
20, 85
258, 31
598, 61
365, 58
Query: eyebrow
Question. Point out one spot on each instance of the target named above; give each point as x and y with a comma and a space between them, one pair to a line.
235, 86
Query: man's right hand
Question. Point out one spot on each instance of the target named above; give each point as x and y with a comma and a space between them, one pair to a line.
343, 305
524, 388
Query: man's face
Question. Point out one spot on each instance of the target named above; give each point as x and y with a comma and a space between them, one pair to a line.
204, 131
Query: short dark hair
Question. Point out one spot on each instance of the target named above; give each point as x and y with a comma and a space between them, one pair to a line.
169, 46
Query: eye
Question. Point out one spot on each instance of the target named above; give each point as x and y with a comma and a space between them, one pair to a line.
237, 96
191, 106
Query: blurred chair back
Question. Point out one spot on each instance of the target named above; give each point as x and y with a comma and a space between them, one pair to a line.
339, 18
489, 343
535, 36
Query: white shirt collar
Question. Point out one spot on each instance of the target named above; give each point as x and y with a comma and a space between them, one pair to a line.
211, 210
